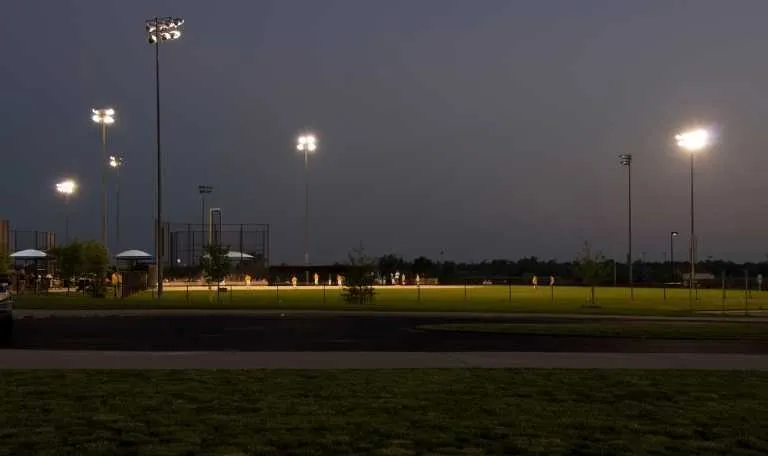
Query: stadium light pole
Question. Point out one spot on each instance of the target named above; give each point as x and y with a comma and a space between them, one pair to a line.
693, 141
306, 143
672, 236
160, 29
67, 188
626, 160
203, 190
116, 162
104, 117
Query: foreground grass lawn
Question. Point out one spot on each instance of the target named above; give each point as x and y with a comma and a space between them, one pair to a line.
473, 299
390, 412
653, 329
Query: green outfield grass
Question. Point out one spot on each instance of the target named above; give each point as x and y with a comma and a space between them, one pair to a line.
384, 412
636, 329
492, 298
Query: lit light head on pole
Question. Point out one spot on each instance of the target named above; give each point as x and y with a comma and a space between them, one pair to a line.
625, 159
694, 140
307, 143
163, 29
115, 161
66, 187
675, 234
104, 116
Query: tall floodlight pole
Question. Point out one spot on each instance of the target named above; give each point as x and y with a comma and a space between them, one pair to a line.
307, 144
672, 236
160, 29
693, 141
626, 160
116, 162
104, 117
67, 188
204, 190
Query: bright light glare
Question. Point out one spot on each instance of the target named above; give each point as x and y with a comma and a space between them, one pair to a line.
103, 116
307, 143
693, 140
164, 29
66, 187
114, 162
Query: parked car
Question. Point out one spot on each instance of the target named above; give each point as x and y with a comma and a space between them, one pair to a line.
6, 311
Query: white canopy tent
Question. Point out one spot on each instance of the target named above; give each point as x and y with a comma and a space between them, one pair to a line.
29, 254
234, 255
133, 254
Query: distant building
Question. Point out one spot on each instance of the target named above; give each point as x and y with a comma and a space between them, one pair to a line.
701, 279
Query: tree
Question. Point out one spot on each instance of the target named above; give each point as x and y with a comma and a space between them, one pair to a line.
215, 263
70, 260
96, 261
5, 261
423, 265
389, 264
358, 284
591, 268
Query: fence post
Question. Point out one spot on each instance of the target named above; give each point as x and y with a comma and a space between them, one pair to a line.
746, 292
323, 294
465, 290
418, 292
722, 274
509, 290
277, 292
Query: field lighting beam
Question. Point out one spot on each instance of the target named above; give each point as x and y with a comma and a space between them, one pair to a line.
116, 162
160, 29
104, 117
692, 142
66, 188
307, 144
626, 160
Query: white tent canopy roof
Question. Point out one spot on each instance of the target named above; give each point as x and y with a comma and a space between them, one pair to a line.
29, 254
239, 255
133, 255
233, 255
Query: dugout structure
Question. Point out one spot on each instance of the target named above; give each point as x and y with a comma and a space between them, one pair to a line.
184, 242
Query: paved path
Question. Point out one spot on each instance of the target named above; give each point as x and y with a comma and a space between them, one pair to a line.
757, 316
298, 332
39, 359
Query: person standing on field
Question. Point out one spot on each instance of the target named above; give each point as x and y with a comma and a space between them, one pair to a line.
535, 281
551, 280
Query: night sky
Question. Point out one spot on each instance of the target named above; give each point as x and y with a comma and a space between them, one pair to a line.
486, 128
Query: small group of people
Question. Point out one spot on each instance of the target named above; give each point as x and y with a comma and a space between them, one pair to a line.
316, 280
535, 281
397, 278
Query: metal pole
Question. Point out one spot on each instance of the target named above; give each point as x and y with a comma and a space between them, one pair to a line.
159, 196
672, 253
117, 207
202, 216
692, 278
306, 214
746, 292
722, 278
66, 219
104, 183
629, 203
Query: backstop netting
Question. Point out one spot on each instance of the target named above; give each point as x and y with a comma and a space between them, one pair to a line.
185, 241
